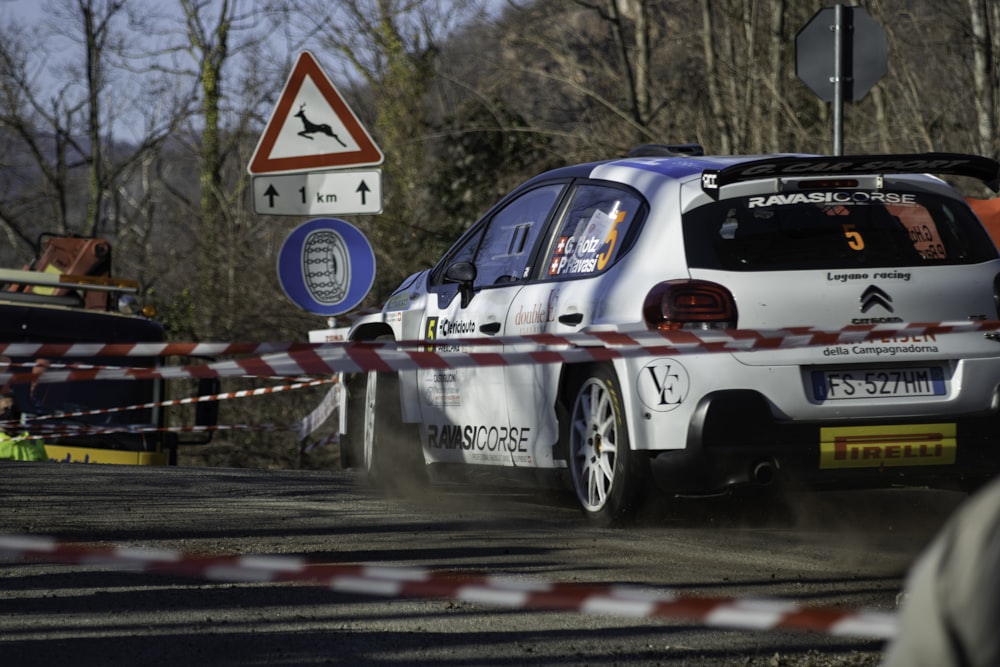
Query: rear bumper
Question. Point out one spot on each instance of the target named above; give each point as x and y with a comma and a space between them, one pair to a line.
734, 440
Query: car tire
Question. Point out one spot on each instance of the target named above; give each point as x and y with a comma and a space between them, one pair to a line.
391, 450
353, 439
609, 478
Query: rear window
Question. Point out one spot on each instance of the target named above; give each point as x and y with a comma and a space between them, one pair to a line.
835, 229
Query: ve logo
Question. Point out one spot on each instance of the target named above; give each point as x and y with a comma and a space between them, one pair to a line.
662, 385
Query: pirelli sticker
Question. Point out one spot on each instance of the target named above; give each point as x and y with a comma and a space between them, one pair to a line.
887, 446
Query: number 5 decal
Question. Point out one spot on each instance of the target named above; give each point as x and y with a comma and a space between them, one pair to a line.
605, 257
854, 240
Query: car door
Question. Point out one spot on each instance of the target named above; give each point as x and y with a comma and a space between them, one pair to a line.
464, 411
561, 298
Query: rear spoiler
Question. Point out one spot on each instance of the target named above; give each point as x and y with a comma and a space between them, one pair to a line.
985, 169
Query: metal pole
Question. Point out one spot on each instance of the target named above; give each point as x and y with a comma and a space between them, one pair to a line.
838, 79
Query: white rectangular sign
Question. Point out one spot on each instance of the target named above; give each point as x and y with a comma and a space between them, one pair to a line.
339, 192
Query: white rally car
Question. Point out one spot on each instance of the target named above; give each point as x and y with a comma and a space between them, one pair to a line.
686, 242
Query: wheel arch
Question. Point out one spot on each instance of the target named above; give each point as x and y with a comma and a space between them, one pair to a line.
611, 485
355, 391
371, 331
572, 374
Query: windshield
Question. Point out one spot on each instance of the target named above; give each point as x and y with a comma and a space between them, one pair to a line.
834, 229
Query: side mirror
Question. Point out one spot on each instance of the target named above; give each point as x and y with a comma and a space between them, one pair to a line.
463, 273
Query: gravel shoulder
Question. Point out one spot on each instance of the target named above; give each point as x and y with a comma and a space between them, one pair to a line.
849, 550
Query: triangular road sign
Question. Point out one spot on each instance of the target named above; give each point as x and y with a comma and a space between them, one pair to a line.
312, 127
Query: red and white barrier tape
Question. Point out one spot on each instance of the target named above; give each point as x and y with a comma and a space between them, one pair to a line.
65, 430
229, 395
38, 426
633, 602
329, 358
731, 339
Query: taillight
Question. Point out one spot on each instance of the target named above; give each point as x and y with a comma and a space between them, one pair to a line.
689, 304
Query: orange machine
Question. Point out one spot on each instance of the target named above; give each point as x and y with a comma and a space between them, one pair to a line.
64, 265
988, 211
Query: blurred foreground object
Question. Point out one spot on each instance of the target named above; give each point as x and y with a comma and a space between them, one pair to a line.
951, 612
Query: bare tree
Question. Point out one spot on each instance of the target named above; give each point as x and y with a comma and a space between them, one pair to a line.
628, 24
223, 45
984, 20
389, 51
34, 164
63, 130
722, 120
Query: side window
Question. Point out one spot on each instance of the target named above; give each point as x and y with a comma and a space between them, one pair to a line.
592, 231
511, 234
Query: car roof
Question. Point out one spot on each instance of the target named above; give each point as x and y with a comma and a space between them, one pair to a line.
676, 167
717, 170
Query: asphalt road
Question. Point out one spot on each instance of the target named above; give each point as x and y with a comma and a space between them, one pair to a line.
845, 550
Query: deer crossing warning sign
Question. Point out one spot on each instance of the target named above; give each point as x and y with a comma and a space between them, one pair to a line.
312, 128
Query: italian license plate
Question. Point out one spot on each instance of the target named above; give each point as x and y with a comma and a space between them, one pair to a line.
842, 384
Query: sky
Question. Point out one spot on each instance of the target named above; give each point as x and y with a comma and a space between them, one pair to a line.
134, 121
22, 7
33, 12
29, 11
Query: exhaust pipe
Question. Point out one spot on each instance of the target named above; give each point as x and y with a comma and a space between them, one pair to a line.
764, 473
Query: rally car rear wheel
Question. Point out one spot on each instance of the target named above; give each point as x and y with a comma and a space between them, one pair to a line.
608, 477
392, 456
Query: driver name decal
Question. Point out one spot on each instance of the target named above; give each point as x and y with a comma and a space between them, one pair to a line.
591, 245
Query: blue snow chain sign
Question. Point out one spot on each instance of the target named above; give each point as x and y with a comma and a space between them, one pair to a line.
326, 266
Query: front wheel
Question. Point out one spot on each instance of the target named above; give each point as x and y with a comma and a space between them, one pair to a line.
608, 477
392, 456
352, 440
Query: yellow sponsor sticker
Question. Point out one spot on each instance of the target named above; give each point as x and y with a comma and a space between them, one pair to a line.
48, 291
888, 446
62, 454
